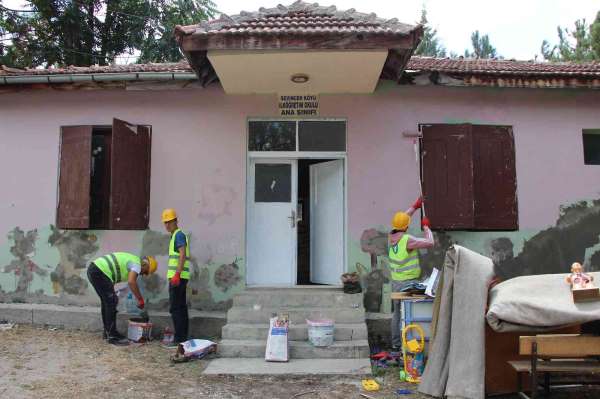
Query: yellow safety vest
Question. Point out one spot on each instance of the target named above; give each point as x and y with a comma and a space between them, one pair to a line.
404, 264
174, 258
114, 265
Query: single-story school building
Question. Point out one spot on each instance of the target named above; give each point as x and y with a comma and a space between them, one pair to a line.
285, 142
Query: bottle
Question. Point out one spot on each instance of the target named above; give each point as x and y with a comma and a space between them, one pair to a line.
168, 336
131, 304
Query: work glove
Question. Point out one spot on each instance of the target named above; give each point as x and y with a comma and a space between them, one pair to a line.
140, 303
425, 223
418, 203
175, 279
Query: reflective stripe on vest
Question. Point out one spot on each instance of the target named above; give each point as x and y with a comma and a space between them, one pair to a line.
114, 265
403, 263
174, 258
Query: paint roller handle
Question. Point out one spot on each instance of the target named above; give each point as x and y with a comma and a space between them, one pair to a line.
141, 303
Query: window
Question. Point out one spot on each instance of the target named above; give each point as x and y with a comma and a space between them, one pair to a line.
104, 177
273, 183
469, 178
313, 135
591, 146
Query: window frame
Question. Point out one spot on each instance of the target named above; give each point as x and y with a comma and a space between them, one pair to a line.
297, 152
589, 132
62, 221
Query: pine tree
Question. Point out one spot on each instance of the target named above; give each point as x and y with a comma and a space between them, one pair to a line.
579, 44
482, 47
430, 44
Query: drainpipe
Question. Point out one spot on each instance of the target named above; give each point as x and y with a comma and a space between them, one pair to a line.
98, 77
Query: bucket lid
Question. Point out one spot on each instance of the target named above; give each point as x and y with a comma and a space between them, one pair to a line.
320, 323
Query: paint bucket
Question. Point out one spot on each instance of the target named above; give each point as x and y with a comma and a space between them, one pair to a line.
320, 332
139, 330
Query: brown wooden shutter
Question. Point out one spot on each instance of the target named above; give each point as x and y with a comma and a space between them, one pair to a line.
447, 172
495, 178
74, 180
130, 176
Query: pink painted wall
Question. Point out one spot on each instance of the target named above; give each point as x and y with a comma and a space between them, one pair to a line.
547, 125
198, 158
199, 138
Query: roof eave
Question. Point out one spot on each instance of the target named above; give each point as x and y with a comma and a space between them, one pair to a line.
400, 46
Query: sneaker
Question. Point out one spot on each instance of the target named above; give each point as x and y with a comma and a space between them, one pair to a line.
118, 341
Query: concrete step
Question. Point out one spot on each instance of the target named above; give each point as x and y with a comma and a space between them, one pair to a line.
298, 332
322, 298
297, 315
297, 367
297, 349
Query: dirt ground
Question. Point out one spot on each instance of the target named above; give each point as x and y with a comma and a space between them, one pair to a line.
37, 362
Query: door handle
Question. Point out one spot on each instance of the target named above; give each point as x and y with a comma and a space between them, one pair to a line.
292, 218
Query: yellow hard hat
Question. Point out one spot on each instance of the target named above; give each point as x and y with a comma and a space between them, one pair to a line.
168, 215
152, 264
401, 221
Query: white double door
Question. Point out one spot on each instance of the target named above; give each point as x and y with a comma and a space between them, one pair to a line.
271, 229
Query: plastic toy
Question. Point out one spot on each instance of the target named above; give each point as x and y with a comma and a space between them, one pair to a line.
414, 358
402, 375
370, 385
582, 286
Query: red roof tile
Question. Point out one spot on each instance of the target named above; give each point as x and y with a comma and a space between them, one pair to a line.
299, 18
588, 70
503, 67
172, 67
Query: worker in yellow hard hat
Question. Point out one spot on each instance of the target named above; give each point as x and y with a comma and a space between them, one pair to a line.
178, 274
106, 271
403, 259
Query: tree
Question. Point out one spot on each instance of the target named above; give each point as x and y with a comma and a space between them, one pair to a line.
430, 44
159, 44
482, 48
86, 32
579, 44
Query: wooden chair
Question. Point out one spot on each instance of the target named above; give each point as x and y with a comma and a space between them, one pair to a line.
565, 354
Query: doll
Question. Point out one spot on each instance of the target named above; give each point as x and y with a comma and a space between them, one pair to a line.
578, 279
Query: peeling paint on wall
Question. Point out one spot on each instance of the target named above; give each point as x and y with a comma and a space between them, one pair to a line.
375, 243
553, 250
203, 298
155, 243
227, 276
22, 266
76, 249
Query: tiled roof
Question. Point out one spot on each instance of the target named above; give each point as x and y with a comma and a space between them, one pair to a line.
425, 64
299, 18
503, 67
173, 67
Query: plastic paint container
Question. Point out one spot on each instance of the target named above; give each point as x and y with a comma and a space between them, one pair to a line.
320, 332
139, 330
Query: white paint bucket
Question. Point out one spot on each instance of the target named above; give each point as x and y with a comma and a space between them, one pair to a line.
138, 330
320, 332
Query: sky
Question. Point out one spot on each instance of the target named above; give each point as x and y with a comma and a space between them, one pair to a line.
515, 27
